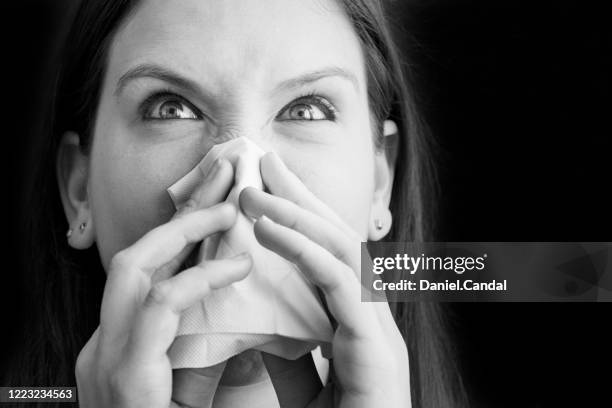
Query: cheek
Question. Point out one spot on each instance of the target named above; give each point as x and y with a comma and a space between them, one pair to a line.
128, 190
345, 182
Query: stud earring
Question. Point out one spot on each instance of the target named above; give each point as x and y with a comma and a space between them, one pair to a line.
82, 227
378, 224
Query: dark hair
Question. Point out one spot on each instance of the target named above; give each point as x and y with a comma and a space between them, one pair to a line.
67, 284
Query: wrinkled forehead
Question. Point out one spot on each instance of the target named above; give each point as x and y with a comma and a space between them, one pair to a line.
233, 43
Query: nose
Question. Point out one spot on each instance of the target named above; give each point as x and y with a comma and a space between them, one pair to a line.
241, 114
232, 131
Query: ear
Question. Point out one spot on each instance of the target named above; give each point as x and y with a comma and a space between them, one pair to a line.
384, 168
72, 169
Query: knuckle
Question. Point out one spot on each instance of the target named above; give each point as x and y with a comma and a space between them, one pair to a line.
120, 261
299, 255
90, 357
160, 294
83, 364
332, 284
206, 287
190, 205
293, 222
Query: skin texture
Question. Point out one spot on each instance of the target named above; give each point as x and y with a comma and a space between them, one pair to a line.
327, 186
132, 163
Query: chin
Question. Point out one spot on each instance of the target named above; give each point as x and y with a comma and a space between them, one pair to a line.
244, 369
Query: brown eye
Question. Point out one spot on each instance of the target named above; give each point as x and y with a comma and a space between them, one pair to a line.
309, 108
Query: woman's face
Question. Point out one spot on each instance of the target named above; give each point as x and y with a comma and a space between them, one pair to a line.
185, 75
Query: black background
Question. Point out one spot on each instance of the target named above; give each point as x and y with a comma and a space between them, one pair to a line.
518, 96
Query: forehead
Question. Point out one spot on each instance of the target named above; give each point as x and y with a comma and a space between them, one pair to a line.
229, 43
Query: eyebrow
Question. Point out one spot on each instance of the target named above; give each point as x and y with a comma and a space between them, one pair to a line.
157, 72
314, 76
171, 77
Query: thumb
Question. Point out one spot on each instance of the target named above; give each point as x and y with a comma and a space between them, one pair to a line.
195, 387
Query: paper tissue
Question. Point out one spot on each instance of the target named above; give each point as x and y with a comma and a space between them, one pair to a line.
275, 309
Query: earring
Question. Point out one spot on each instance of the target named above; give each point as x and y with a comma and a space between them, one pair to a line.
82, 227
69, 233
379, 224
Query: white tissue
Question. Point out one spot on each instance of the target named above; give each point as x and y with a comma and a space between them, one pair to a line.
275, 309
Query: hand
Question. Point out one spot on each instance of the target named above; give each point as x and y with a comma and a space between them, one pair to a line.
370, 359
124, 363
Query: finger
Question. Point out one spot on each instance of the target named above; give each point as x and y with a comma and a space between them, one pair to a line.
256, 203
157, 320
195, 387
282, 182
296, 382
212, 190
162, 244
131, 269
337, 280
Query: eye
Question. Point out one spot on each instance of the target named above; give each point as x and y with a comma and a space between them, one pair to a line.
308, 108
167, 106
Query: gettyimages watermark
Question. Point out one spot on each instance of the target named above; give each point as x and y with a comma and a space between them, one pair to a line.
487, 271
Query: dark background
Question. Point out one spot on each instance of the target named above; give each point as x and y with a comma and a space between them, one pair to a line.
518, 96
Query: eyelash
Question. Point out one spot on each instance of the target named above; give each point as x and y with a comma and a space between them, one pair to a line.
167, 95
313, 98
